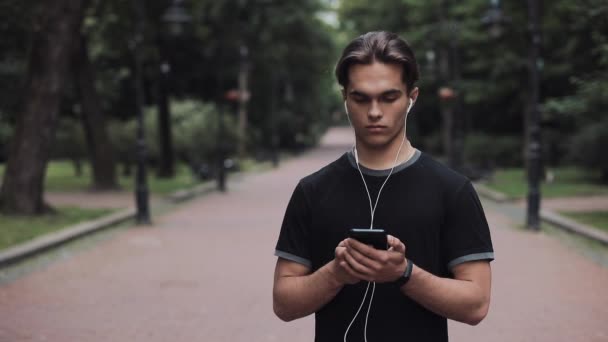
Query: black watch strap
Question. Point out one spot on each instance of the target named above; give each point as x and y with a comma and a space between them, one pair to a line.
405, 277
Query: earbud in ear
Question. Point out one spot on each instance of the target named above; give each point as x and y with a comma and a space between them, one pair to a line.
345, 108
409, 107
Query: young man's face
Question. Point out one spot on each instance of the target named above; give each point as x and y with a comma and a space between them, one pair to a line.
377, 101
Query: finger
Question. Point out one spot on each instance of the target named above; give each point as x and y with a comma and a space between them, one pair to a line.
340, 251
396, 244
364, 249
352, 272
364, 260
356, 265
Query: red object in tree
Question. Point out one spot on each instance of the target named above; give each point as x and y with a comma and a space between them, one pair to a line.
446, 93
232, 95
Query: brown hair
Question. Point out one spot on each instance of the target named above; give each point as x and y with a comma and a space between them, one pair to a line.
381, 46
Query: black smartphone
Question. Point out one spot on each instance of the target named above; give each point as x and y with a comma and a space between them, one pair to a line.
375, 237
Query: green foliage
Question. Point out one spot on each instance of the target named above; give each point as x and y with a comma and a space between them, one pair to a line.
566, 182
195, 128
122, 135
598, 219
587, 147
69, 140
195, 131
488, 151
494, 70
60, 178
16, 18
19, 229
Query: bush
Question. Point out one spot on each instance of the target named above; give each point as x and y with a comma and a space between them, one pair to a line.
69, 140
122, 136
488, 152
194, 128
586, 148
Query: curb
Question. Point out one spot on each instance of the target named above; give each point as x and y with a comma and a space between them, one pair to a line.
550, 217
491, 194
47, 241
574, 227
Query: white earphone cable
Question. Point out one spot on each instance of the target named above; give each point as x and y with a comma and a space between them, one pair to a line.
372, 211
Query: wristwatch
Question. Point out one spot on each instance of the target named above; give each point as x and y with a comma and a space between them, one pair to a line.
405, 277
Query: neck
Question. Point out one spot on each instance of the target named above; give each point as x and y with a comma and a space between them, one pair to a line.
382, 158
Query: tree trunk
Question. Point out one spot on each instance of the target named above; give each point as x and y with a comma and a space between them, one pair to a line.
100, 150
55, 30
167, 159
604, 176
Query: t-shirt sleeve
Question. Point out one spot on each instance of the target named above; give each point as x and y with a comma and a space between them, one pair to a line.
293, 243
465, 234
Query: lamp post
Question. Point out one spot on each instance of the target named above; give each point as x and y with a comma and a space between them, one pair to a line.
141, 185
495, 19
451, 93
533, 120
243, 98
175, 17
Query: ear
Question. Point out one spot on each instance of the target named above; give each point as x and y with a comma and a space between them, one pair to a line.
343, 94
414, 94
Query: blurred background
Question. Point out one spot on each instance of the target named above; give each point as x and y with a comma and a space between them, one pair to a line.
160, 95
113, 110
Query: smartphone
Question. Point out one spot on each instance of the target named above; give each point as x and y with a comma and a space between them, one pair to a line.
375, 237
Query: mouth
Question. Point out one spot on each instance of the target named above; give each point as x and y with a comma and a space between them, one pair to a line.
375, 128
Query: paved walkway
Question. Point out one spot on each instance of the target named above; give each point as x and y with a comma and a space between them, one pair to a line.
203, 272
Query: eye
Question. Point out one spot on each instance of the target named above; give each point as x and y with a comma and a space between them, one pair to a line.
360, 98
389, 98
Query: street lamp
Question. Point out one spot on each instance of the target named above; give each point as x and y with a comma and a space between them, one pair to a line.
176, 16
532, 119
141, 185
494, 19
452, 113
243, 97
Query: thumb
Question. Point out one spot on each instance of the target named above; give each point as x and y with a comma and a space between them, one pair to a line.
395, 244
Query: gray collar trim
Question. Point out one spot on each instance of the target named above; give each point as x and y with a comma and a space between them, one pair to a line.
383, 173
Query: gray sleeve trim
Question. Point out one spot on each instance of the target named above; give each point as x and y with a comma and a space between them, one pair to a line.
293, 258
471, 257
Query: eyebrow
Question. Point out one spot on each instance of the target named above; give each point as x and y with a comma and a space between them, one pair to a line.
384, 93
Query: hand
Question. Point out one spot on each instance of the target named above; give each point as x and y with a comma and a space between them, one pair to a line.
342, 270
370, 264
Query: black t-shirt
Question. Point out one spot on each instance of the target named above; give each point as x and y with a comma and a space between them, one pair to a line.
433, 210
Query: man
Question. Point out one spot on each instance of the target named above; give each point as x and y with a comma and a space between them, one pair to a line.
437, 264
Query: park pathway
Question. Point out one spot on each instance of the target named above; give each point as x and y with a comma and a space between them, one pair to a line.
203, 272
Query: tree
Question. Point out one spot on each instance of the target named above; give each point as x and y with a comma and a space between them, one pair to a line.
56, 28
93, 120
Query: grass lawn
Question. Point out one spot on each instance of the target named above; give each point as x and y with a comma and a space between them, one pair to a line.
598, 219
60, 177
18, 229
568, 181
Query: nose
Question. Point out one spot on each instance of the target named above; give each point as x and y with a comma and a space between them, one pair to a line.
375, 112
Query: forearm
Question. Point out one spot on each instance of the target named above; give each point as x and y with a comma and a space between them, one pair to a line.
299, 296
460, 300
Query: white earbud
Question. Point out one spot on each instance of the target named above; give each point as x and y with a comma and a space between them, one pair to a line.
410, 106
